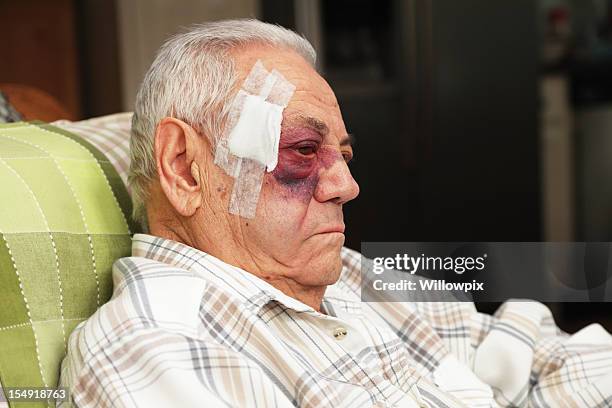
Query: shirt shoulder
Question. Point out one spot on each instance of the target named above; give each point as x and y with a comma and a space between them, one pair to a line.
152, 303
147, 294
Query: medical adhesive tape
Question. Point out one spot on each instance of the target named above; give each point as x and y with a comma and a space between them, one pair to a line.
249, 145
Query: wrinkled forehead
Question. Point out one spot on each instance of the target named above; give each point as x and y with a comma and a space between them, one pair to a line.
313, 97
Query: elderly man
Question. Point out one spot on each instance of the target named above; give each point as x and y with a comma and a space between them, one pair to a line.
243, 295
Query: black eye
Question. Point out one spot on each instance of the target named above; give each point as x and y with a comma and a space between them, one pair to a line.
347, 157
307, 150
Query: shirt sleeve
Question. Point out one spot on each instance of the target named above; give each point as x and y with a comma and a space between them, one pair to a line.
156, 368
527, 360
575, 371
520, 353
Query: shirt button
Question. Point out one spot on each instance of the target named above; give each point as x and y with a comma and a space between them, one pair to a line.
339, 333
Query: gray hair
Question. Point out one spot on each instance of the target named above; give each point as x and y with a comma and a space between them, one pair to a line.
191, 79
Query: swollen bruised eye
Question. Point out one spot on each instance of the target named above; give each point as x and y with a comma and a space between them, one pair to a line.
307, 150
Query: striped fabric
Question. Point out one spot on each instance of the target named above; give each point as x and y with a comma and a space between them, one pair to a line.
184, 329
110, 134
176, 331
62, 225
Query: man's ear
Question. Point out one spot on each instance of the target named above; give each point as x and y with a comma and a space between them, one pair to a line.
176, 147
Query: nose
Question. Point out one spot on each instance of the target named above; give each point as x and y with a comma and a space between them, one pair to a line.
336, 184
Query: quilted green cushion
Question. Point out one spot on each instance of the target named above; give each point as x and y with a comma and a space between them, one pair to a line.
64, 219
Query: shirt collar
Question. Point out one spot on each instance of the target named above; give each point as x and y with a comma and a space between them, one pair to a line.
251, 290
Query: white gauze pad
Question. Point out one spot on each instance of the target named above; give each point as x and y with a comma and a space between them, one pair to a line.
257, 133
249, 145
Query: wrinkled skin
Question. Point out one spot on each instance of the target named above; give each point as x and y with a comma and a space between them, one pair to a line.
294, 241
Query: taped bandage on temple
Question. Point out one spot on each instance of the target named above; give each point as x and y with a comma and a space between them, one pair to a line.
249, 145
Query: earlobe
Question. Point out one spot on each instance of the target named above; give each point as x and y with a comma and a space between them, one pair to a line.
175, 153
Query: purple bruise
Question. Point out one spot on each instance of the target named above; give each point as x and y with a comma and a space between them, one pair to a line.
299, 175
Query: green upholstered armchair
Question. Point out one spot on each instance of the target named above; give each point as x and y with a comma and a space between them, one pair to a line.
64, 219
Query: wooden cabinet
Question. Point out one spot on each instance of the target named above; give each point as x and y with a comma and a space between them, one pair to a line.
39, 49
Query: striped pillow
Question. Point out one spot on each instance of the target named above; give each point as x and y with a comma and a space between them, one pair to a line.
64, 219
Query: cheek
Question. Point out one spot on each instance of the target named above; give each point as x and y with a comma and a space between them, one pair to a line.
299, 177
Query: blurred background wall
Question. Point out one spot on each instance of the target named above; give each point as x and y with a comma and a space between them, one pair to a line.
475, 120
143, 25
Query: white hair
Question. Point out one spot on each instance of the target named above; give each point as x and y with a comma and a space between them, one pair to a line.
191, 79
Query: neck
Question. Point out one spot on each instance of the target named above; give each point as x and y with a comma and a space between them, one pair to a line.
238, 256
309, 295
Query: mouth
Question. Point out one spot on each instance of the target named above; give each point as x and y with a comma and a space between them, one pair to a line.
337, 228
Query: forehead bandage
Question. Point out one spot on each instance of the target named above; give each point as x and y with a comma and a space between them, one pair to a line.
249, 145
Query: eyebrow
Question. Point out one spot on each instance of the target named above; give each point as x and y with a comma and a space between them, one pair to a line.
315, 124
321, 128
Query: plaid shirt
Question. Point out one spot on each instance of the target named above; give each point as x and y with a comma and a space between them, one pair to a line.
185, 329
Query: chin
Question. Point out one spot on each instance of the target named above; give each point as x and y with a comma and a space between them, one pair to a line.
327, 265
